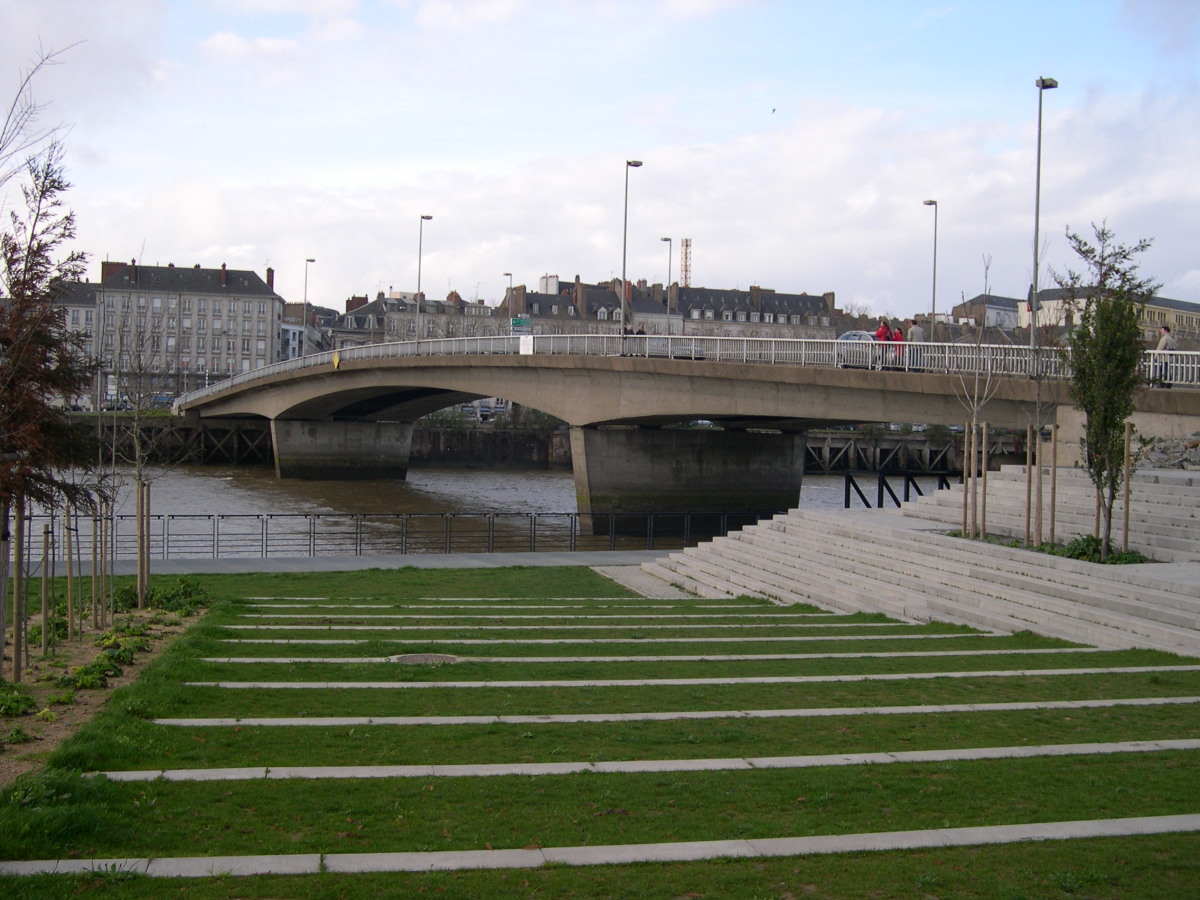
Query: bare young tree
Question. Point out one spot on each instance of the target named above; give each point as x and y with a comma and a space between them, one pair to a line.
41, 360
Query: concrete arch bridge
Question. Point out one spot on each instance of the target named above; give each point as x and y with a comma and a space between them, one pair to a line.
350, 413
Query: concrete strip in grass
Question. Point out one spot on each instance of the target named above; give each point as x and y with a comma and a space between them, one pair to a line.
805, 638
615, 854
571, 718
704, 657
660, 682
642, 766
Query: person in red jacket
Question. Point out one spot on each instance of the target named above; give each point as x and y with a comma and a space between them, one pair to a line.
898, 340
884, 331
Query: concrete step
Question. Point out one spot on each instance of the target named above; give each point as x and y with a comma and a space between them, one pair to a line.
1080, 582
811, 579
1058, 607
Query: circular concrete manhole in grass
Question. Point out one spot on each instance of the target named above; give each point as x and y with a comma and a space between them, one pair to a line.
423, 659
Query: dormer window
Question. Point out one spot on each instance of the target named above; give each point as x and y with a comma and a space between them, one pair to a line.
602, 314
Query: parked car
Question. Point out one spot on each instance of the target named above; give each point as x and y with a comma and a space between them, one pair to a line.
856, 350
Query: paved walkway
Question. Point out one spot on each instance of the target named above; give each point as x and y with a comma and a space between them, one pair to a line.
348, 563
619, 854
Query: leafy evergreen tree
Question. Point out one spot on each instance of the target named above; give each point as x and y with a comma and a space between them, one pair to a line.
1106, 350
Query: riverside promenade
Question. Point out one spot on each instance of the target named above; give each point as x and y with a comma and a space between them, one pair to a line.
277, 647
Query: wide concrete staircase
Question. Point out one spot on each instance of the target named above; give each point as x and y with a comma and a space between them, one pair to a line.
902, 563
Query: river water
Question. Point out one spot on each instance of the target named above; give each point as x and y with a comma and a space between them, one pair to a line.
213, 490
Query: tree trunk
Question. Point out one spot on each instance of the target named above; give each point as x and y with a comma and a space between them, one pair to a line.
5, 550
19, 590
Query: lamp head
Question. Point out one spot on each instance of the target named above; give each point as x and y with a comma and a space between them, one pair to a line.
665, 239
931, 203
426, 218
1046, 84
633, 163
310, 259
506, 274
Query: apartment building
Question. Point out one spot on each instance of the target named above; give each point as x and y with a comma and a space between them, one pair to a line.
163, 330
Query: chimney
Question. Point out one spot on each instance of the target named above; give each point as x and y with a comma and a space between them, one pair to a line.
756, 298
109, 268
580, 299
270, 278
224, 276
355, 302
133, 271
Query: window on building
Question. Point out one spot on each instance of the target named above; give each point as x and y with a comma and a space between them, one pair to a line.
726, 315
824, 321
155, 342
570, 310
170, 303
170, 343
262, 308
201, 304
185, 342
87, 316
535, 308
741, 315
108, 302
216, 345
246, 306
156, 303
709, 314
170, 323
769, 318
262, 327
74, 317
245, 326
187, 304
554, 309
602, 314
186, 323
141, 301
260, 346
695, 314
754, 317
124, 303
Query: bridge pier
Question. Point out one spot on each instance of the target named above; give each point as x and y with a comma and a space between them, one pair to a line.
341, 451
685, 470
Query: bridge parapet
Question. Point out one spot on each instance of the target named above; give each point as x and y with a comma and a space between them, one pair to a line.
1181, 368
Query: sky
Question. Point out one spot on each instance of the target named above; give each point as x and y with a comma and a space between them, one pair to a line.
793, 141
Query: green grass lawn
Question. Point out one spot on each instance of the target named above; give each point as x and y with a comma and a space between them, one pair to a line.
61, 813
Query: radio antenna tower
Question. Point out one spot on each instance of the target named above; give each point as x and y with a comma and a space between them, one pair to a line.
685, 262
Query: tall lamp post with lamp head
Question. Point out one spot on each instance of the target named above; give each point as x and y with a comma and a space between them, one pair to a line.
306, 262
933, 299
629, 164
420, 249
1043, 85
668, 240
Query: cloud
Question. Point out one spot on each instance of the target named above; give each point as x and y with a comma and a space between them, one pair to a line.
1173, 24
316, 9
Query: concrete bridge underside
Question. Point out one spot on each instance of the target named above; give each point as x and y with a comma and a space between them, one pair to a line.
355, 419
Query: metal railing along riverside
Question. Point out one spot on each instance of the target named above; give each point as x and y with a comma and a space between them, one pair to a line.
265, 536
1177, 367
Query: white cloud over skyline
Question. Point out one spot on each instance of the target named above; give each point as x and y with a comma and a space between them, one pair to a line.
793, 143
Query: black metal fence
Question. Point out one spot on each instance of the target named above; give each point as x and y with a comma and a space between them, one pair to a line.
264, 536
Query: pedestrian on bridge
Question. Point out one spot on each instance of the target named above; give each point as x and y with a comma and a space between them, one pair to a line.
1166, 341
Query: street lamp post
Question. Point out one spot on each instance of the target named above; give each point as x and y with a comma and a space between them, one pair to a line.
420, 248
629, 164
1043, 85
933, 299
508, 275
306, 262
668, 240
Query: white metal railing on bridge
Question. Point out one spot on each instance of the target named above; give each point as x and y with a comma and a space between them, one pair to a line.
1176, 367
